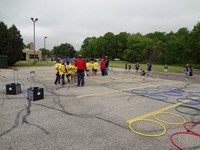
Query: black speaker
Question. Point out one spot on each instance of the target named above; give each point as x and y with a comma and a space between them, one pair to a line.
35, 93
13, 88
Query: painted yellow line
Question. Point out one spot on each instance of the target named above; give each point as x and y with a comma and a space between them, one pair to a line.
123, 90
157, 111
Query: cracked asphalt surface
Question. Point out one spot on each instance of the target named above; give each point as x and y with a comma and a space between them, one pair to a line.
93, 117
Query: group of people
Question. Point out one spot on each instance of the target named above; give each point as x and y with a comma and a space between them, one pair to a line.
188, 70
137, 68
76, 70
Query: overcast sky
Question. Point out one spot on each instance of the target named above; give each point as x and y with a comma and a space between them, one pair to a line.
74, 20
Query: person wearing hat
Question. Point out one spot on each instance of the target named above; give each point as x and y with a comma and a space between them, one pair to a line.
81, 67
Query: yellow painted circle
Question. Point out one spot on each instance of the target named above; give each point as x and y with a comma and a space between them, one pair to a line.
172, 114
148, 135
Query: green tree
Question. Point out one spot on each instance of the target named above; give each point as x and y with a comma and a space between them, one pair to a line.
175, 47
194, 44
87, 50
4, 37
121, 40
182, 45
157, 52
46, 53
158, 45
108, 46
26, 46
97, 48
11, 43
139, 48
64, 51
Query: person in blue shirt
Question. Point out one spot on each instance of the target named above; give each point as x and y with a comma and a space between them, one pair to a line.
107, 65
149, 67
137, 67
191, 71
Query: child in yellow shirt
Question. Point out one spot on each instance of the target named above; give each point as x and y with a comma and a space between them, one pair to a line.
61, 69
56, 66
88, 67
73, 72
68, 68
95, 67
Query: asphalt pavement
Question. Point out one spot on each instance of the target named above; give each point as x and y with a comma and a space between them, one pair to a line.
100, 115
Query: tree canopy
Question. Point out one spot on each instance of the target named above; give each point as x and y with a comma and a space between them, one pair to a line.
11, 43
64, 51
182, 46
46, 53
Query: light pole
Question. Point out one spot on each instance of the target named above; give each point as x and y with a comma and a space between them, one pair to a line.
45, 43
34, 20
45, 46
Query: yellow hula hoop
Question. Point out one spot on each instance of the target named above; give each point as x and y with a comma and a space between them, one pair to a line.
148, 135
171, 123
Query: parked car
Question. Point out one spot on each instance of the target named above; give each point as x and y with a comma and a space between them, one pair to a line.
116, 59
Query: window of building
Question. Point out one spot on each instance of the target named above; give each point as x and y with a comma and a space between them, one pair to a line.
31, 56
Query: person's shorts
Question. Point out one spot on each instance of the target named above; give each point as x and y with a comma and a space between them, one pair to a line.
62, 76
95, 70
165, 70
67, 75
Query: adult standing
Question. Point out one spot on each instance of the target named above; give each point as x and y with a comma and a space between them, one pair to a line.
80, 64
149, 67
103, 66
137, 67
129, 67
106, 65
191, 71
126, 67
186, 72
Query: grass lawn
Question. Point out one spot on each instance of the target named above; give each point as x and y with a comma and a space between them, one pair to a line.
155, 67
30, 63
117, 64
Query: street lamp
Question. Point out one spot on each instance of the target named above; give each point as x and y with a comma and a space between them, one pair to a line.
45, 46
34, 20
45, 43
